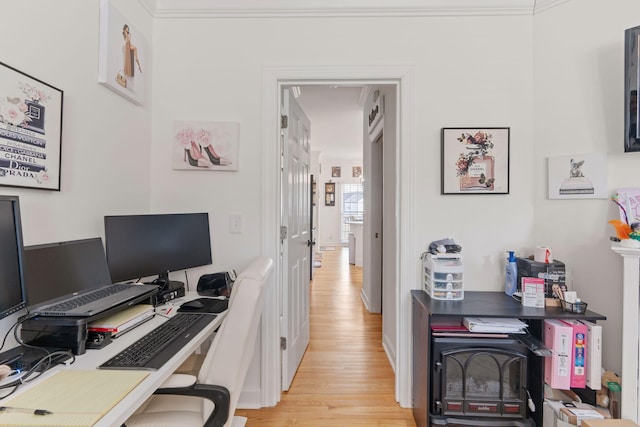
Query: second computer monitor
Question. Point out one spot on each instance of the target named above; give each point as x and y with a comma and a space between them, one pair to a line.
140, 246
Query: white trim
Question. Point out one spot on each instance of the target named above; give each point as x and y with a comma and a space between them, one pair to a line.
407, 275
342, 8
542, 5
387, 346
630, 395
250, 399
273, 78
365, 300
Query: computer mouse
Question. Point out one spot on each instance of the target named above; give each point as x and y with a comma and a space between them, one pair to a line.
192, 304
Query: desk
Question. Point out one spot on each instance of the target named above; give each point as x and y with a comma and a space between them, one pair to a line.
94, 358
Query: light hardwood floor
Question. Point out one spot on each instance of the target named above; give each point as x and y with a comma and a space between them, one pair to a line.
345, 378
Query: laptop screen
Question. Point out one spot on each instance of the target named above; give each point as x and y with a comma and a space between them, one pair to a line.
56, 269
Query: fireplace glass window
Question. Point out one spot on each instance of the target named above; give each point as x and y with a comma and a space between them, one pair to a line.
473, 380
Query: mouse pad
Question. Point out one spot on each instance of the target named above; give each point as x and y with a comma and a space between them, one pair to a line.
209, 305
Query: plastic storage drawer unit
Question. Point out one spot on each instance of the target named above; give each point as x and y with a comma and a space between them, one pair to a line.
443, 276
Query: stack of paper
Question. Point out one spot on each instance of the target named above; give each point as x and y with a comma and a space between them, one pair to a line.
124, 320
71, 398
504, 325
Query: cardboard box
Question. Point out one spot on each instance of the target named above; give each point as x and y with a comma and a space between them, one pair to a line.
577, 416
560, 414
608, 423
550, 416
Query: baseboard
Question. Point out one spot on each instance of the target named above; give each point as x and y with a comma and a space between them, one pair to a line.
250, 399
365, 300
388, 347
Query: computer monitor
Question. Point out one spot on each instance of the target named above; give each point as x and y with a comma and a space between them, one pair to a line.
140, 246
53, 270
12, 293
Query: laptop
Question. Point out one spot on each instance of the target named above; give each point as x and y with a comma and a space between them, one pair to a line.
72, 279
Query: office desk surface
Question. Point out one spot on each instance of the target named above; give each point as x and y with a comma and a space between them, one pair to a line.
94, 358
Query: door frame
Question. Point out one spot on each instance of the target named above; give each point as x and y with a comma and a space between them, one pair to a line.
274, 77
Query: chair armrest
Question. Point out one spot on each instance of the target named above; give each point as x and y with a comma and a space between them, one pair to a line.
179, 381
217, 394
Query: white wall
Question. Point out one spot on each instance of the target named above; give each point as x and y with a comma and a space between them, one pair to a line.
211, 69
578, 108
105, 138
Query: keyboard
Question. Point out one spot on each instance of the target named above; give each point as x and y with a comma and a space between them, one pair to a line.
154, 349
87, 298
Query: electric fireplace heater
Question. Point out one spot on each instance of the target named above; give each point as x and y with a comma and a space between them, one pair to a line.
479, 382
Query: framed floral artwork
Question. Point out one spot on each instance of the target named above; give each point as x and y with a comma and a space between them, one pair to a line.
475, 160
30, 131
123, 55
209, 146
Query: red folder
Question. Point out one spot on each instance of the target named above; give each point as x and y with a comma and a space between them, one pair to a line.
578, 354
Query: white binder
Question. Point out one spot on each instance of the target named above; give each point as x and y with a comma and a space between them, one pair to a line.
594, 350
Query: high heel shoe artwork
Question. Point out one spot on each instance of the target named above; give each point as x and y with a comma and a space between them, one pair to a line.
195, 157
214, 158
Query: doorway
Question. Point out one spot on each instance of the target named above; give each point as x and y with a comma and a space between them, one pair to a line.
399, 346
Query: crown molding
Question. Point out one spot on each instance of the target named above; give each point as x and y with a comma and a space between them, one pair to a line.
341, 8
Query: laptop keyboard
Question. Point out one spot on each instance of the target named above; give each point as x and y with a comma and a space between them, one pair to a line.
88, 298
159, 345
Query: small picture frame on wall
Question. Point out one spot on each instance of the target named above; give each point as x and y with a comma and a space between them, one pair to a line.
335, 171
357, 171
475, 160
329, 194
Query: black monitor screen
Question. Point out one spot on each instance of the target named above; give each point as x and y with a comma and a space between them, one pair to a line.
12, 296
148, 245
56, 269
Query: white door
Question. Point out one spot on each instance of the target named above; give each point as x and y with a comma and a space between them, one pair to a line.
296, 202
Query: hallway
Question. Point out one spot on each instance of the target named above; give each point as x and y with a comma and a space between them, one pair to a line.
345, 378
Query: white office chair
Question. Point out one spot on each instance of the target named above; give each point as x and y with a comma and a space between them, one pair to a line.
211, 399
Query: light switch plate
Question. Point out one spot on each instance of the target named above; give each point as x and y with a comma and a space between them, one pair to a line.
235, 223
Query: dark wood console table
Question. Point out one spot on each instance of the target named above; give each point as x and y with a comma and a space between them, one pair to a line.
476, 304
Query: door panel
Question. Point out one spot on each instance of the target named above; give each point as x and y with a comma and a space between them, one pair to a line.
296, 204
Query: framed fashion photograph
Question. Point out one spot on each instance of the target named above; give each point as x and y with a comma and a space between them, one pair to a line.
578, 176
475, 160
30, 131
123, 55
210, 146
